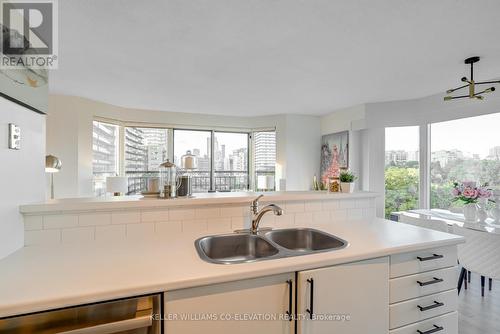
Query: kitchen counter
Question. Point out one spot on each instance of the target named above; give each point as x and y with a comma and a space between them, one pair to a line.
39, 278
138, 202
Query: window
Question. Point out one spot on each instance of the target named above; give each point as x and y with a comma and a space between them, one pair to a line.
104, 154
230, 161
265, 160
401, 168
224, 161
463, 150
199, 143
145, 150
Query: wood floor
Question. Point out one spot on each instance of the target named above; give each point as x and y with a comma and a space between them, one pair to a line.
476, 314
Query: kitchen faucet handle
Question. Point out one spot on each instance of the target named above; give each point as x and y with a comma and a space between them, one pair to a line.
255, 202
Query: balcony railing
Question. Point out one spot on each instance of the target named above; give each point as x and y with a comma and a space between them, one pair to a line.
223, 180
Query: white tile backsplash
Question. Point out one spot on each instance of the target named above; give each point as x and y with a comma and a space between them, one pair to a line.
292, 207
42, 237
94, 219
313, 206
232, 211
126, 217
194, 225
110, 232
219, 225
347, 204
206, 213
330, 205
181, 214
168, 228
303, 218
238, 223
140, 231
321, 217
136, 224
154, 216
33, 223
60, 221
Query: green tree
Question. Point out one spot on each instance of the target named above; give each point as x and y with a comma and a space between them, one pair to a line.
401, 189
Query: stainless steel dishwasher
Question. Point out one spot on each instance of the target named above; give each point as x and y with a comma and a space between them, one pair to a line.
138, 315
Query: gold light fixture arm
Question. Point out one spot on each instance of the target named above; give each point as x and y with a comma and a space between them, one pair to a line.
471, 84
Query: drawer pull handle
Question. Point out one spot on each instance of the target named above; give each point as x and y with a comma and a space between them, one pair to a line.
433, 281
290, 301
310, 310
430, 331
430, 307
433, 257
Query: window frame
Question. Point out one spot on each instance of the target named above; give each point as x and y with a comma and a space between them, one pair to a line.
251, 180
425, 140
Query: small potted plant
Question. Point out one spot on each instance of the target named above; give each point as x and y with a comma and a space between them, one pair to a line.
347, 179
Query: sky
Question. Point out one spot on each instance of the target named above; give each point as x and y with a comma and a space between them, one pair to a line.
473, 134
189, 140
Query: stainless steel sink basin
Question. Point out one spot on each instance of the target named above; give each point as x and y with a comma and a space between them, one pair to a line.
274, 244
234, 248
305, 240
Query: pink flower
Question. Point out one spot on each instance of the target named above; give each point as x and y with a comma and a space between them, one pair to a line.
484, 193
455, 192
470, 193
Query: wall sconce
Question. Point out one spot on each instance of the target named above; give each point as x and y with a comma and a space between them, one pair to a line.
52, 165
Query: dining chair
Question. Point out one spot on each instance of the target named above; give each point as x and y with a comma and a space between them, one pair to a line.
479, 254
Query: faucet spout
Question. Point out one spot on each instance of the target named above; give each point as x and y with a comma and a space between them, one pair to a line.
259, 214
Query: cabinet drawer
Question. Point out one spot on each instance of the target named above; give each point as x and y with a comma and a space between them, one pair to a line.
448, 323
422, 284
424, 260
422, 308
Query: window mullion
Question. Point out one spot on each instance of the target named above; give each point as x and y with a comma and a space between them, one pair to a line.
424, 157
212, 161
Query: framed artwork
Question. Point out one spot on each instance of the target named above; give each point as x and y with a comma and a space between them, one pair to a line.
334, 154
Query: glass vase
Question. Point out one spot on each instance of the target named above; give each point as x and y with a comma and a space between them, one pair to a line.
470, 212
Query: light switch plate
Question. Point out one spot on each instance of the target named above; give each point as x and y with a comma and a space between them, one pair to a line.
14, 137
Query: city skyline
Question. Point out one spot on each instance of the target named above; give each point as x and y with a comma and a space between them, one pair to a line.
442, 156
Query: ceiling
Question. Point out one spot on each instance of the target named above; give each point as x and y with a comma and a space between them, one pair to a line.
260, 57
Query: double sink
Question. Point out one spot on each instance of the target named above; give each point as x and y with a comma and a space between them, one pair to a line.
265, 245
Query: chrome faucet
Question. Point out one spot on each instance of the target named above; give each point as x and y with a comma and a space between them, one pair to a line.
258, 214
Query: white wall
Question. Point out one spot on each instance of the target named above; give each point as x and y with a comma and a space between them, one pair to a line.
22, 171
303, 143
69, 137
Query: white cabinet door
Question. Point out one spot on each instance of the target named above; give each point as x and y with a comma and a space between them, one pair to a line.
245, 307
351, 298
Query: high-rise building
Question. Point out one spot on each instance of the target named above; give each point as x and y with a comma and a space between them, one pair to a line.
265, 150
105, 148
239, 160
444, 156
136, 156
104, 155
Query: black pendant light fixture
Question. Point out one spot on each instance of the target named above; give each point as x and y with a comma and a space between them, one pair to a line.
471, 84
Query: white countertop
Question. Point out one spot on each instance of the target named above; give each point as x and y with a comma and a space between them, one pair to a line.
38, 278
130, 202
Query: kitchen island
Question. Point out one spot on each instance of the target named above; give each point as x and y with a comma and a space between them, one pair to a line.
384, 263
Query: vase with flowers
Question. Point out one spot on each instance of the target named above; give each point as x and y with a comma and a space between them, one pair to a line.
469, 194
